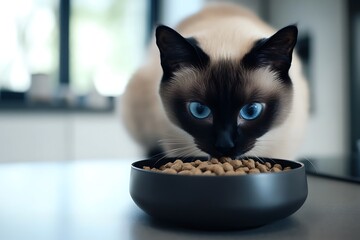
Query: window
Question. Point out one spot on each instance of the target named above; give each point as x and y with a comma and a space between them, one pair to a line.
106, 40
29, 44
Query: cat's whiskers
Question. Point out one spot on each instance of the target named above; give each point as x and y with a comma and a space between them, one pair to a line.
169, 141
303, 159
169, 153
156, 155
179, 151
311, 163
255, 151
165, 143
195, 151
190, 154
254, 155
172, 139
183, 146
271, 140
258, 158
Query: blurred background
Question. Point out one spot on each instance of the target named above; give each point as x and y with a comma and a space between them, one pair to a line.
64, 65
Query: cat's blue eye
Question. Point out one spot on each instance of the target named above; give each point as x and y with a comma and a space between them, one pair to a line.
199, 110
251, 111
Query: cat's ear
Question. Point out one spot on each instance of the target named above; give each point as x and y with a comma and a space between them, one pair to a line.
177, 51
275, 51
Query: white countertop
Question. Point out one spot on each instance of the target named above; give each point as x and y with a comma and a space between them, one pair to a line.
78, 200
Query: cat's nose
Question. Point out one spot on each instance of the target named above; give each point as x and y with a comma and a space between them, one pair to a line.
224, 142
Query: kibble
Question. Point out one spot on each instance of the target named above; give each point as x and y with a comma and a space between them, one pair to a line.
185, 172
274, 169
214, 161
196, 171
236, 163
262, 167
278, 166
187, 166
169, 170
227, 167
245, 169
239, 171
254, 170
176, 166
268, 165
218, 167
249, 163
203, 166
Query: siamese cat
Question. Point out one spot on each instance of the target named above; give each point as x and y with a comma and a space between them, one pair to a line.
224, 83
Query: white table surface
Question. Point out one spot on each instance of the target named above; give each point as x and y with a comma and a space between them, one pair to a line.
88, 200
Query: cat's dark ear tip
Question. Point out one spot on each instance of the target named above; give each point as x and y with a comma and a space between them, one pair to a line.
161, 29
288, 34
292, 29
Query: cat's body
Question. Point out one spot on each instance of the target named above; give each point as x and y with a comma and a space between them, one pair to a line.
222, 55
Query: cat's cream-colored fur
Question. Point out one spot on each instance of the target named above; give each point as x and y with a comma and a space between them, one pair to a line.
222, 31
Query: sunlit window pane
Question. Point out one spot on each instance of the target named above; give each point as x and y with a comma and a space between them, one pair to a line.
28, 43
107, 38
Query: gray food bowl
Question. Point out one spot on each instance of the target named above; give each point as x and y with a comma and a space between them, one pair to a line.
218, 202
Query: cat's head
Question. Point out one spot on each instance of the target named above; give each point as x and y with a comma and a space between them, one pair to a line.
226, 104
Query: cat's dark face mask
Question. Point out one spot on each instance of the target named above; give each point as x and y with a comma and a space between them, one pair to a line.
226, 104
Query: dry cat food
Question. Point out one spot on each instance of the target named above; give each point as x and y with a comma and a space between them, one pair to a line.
222, 166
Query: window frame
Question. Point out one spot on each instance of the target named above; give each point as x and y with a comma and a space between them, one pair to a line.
354, 79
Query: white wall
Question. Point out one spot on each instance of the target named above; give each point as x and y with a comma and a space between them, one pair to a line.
326, 21
172, 11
